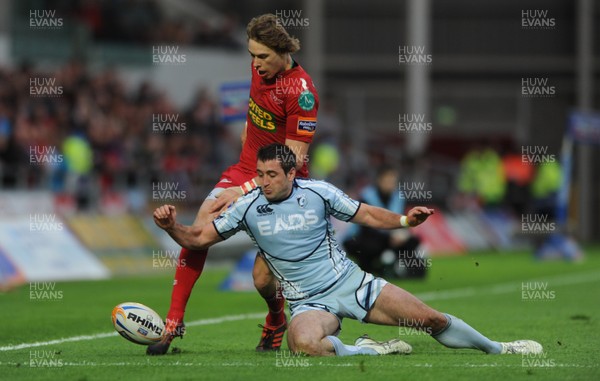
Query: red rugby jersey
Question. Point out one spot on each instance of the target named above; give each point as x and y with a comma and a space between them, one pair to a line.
284, 107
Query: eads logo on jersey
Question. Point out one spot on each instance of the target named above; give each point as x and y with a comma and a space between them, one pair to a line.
294, 222
260, 117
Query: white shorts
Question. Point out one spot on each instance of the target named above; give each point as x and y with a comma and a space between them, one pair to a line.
352, 296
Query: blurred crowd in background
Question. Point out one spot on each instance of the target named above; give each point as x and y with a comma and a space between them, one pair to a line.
504, 178
103, 132
103, 135
145, 22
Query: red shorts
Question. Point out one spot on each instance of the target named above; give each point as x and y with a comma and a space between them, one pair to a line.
234, 176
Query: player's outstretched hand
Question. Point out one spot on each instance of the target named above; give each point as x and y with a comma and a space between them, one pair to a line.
165, 216
417, 215
224, 199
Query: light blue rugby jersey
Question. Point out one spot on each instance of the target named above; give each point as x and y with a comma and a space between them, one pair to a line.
295, 234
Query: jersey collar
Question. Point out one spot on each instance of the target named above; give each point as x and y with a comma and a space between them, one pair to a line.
294, 186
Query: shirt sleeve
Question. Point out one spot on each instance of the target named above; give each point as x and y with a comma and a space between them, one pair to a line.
301, 109
339, 204
230, 222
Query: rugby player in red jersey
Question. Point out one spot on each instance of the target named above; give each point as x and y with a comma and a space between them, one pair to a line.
282, 109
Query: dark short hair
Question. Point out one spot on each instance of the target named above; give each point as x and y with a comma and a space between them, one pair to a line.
280, 152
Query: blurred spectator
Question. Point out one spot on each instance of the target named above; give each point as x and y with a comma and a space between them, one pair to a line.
519, 174
482, 176
324, 160
545, 187
383, 252
78, 162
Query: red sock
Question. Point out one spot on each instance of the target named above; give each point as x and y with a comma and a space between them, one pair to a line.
276, 315
189, 268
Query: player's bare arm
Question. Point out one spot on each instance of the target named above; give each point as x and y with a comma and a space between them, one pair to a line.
244, 134
379, 218
300, 149
189, 237
228, 196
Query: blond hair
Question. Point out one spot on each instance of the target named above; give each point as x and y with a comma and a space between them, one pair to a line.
267, 30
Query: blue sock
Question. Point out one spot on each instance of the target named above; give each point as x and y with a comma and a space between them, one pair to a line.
342, 349
459, 334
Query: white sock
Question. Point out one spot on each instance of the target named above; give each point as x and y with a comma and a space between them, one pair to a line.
459, 334
342, 349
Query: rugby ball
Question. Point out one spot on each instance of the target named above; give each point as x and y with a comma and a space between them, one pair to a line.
137, 323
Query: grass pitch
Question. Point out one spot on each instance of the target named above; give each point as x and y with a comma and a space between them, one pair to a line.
69, 335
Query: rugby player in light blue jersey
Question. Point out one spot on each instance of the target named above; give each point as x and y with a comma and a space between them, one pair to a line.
288, 220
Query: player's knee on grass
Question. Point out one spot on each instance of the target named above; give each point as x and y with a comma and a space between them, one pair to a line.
308, 330
308, 345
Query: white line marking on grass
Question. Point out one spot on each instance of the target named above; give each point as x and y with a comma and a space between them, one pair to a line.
161, 364
501, 288
57, 341
505, 288
211, 321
